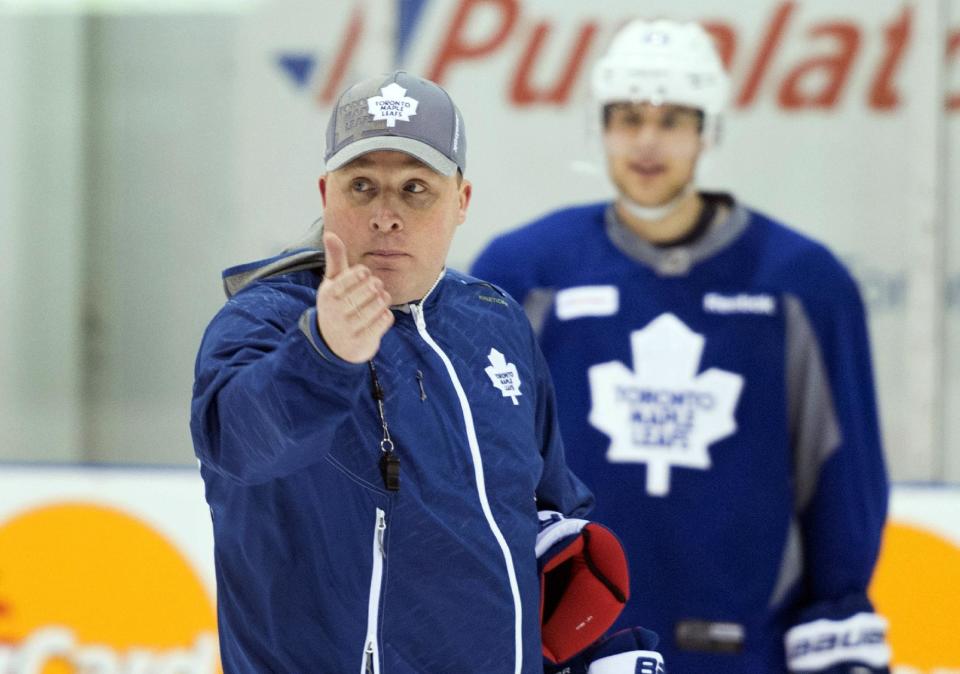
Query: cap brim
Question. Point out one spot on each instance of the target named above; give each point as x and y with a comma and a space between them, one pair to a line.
433, 158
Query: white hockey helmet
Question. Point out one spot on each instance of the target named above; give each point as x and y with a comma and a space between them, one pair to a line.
660, 62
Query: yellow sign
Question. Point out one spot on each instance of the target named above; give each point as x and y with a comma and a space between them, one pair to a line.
87, 588
917, 587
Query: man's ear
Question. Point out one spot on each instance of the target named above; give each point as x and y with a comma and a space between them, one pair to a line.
322, 184
466, 191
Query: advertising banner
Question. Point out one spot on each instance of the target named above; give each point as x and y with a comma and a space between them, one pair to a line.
917, 581
110, 571
106, 571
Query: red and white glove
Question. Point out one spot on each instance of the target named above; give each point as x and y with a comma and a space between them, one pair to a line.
584, 583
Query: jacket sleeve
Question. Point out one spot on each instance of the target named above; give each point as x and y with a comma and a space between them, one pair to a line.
269, 397
559, 488
841, 487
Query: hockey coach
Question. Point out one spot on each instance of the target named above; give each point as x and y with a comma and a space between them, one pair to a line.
377, 432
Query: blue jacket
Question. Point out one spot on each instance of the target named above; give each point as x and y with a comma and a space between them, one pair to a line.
319, 567
718, 398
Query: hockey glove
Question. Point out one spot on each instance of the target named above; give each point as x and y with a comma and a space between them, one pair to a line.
843, 637
584, 583
629, 651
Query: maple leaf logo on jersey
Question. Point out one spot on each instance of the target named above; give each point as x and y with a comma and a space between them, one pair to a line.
504, 375
393, 105
663, 413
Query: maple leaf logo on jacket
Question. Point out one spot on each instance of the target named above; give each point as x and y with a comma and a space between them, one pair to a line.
504, 375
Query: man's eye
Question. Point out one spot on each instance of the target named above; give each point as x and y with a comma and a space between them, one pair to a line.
360, 185
414, 188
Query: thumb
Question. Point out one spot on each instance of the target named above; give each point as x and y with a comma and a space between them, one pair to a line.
335, 255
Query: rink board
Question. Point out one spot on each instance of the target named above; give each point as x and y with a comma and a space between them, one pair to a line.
117, 564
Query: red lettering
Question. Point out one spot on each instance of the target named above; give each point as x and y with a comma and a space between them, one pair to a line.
883, 94
953, 52
835, 67
456, 48
769, 44
344, 55
523, 93
725, 39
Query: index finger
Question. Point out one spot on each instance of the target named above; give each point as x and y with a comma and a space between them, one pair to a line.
335, 255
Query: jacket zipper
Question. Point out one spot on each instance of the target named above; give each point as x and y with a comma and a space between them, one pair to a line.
371, 649
417, 310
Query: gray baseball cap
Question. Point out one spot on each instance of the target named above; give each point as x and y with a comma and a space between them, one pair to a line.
399, 112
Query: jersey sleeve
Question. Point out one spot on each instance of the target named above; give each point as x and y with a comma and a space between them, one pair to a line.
269, 397
841, 487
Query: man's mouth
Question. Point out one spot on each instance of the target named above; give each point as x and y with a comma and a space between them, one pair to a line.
647, 169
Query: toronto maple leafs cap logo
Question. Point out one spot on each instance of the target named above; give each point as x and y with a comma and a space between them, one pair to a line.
398, 112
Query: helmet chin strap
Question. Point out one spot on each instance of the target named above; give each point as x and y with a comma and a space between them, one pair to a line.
655, 213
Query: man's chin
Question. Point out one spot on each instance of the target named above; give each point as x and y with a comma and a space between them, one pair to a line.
654, 198
400, 293
646, 202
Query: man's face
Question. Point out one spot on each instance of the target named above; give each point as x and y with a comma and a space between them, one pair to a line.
652, 150
396, 216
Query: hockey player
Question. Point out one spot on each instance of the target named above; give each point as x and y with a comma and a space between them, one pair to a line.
714, 385
377, 433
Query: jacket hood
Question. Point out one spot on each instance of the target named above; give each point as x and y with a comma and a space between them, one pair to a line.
306, 254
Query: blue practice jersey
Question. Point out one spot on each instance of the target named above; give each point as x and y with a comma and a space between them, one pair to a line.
718, 398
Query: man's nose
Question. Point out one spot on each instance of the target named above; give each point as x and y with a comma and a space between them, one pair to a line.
647, 134
385, 218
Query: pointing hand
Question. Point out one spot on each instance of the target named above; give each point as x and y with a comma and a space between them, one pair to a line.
353, 308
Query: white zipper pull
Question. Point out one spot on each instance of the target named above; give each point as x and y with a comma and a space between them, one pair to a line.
381, 528
369, 652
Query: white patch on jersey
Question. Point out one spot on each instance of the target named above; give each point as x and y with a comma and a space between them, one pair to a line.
587, 301
715, 303
504, 375
663, 413
393, 105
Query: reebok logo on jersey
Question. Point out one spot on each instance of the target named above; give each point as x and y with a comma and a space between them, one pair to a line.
504, 375
742, 303
663, 413
393, 105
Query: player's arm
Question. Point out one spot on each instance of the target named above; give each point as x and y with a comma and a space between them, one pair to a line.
270, 393
840, 482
